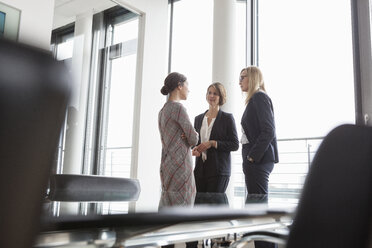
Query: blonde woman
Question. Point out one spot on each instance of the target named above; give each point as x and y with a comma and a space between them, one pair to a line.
258, 126
259, 146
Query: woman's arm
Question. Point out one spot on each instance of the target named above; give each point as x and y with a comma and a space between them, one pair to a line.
231, 143
265, 116
189, 131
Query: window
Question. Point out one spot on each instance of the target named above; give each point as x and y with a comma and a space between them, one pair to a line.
62, 47
305, 53
306, 59
109, 132
192, 49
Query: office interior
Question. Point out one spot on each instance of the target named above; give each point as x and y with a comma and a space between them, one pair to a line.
315, 56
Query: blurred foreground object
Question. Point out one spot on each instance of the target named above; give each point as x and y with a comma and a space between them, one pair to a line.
335, 208
33, 97
78, 188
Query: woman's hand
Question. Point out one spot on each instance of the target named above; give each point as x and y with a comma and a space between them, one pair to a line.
195, 152
183, 136
204, 146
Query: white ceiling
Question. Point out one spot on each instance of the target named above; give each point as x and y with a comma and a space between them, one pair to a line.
65, 11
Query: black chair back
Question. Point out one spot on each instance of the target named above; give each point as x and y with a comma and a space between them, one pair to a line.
335, 208
68, 187
33, 98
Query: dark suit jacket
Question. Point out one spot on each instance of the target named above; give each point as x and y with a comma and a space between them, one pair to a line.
218, 160
259, 127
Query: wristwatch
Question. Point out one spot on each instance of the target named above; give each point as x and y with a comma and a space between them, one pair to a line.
250, 159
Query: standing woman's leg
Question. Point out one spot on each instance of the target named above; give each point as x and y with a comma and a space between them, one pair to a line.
259, 184
258, 178
217, 184
200, 184
257, 181
249, 173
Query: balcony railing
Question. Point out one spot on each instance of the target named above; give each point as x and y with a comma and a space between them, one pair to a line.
288, 176
117, 161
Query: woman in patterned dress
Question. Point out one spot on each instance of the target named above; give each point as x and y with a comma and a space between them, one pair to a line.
177, 136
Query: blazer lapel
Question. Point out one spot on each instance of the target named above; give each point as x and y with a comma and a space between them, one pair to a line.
200, 122
198, 125
215, 125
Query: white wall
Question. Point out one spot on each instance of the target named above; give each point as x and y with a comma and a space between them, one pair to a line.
36, 21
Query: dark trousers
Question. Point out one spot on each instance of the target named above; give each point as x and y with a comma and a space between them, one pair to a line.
217, 184
257, 182
256, 175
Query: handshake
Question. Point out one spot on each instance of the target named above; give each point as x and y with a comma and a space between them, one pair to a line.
197, 150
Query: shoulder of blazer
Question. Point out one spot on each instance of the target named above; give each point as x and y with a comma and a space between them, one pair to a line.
225, 115
201, 116
198, 119
260, 96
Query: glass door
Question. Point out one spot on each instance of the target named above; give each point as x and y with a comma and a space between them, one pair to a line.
115, 149
62, 48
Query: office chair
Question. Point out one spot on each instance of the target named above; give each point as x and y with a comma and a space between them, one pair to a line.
68, 187
335, 208
33, 96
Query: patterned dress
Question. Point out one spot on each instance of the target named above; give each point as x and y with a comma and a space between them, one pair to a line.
171, 199
176, 169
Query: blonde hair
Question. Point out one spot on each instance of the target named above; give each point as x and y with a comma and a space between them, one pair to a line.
255, 81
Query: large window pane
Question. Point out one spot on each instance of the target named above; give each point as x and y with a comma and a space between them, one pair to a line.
62, 47
192, 49
109, 136
305, 52
118, 147
117, 129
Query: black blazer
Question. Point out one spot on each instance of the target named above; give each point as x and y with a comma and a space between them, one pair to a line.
259, 127
218, 160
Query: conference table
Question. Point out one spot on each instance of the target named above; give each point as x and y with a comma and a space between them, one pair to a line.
160, 218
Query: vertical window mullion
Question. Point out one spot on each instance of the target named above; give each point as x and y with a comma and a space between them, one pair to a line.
252, 33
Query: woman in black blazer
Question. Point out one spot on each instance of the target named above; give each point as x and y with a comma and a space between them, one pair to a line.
259, 150
217, 138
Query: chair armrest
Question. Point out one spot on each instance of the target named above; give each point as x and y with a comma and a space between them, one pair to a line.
268, 236
67, 187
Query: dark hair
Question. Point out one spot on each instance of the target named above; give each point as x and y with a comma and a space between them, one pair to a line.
221, 92
172, 81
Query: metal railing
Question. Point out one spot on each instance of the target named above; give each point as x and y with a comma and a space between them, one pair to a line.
288, 176
117, 161
295, 157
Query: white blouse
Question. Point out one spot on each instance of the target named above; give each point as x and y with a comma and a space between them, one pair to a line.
244, 139
205, 133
